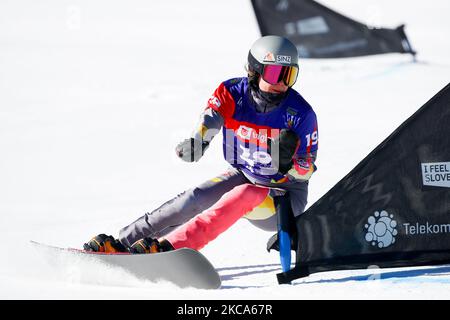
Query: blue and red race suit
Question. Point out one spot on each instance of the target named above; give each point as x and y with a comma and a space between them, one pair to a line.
246, 132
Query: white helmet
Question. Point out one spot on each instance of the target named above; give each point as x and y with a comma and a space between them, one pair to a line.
274, 58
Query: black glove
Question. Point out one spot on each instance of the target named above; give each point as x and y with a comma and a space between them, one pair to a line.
191, 149
286, 143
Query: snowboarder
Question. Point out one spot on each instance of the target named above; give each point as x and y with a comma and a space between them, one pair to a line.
270, 139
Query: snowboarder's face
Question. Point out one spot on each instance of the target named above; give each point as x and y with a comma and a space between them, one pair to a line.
280, 87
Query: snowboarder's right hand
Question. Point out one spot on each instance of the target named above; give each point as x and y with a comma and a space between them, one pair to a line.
191, 149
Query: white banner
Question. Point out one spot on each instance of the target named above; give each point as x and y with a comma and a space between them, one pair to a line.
436, 174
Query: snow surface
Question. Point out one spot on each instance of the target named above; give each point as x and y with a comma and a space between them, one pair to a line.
90, 94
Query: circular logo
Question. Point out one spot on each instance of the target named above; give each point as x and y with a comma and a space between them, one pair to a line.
381, 229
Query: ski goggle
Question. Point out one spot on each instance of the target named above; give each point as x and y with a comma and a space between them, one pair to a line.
273, 74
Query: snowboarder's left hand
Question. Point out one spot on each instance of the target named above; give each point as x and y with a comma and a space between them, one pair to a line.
286, 145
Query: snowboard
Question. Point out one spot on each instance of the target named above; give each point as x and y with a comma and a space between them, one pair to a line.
183, 267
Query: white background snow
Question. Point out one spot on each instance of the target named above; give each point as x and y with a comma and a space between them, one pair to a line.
94, 96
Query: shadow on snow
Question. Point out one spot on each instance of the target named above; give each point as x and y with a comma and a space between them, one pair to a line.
408, 273
243, 271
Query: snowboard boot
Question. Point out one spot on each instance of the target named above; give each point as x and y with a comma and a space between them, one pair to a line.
150, 245
104, 243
